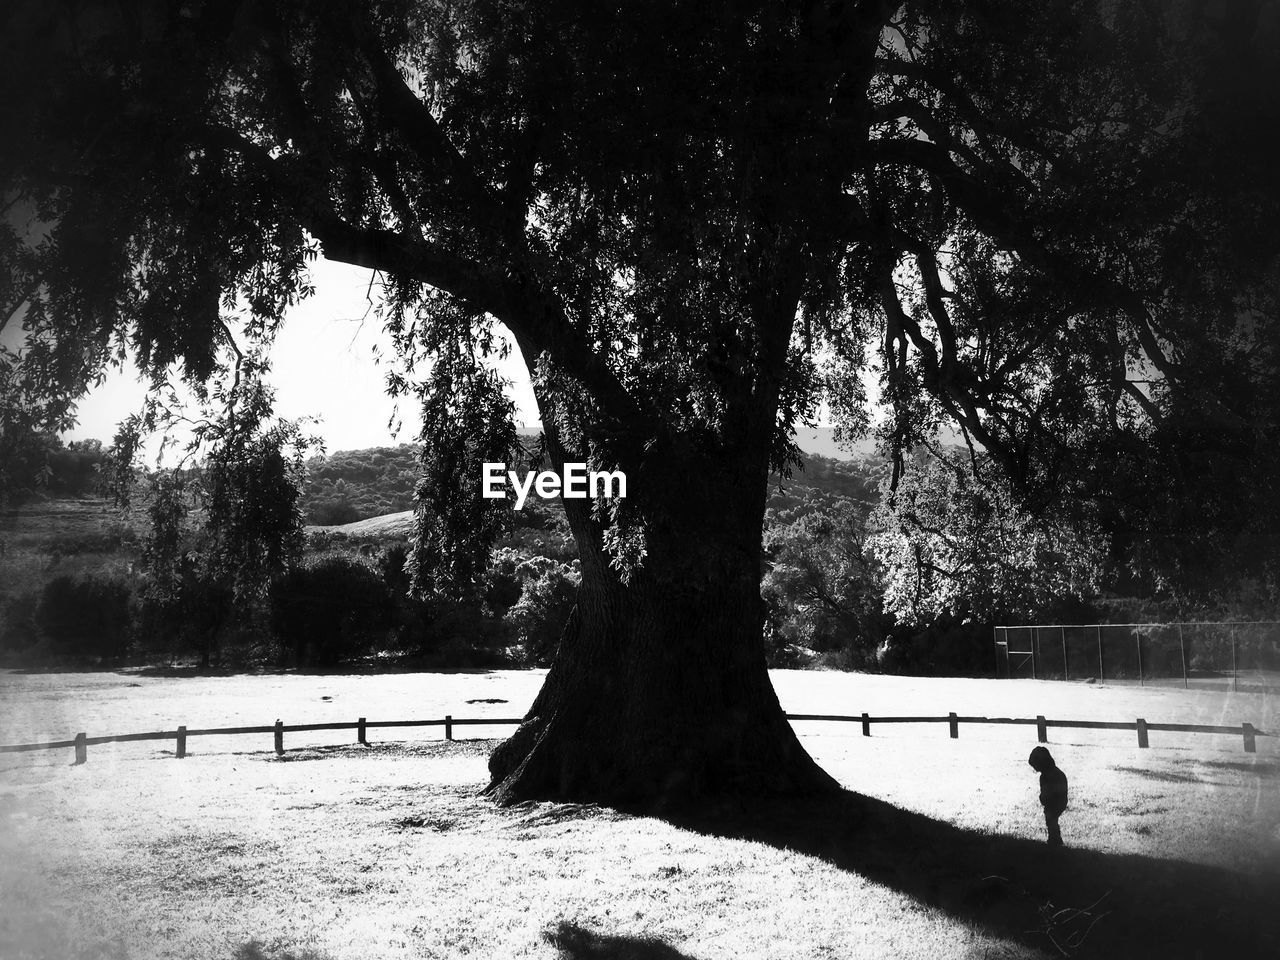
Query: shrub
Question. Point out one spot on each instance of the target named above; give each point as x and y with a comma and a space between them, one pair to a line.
947, 647
329, 609
461, 634
333, 513
86, 617
549, 591
18, 629
194, 617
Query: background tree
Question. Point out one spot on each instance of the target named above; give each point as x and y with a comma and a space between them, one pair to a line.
950, 542
820, 584
690, 219
86, 618
328, 609
221, 529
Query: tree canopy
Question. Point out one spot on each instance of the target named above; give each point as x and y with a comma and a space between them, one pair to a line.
1051, 225
1046, 221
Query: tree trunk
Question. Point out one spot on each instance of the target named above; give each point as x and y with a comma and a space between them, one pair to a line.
659, 693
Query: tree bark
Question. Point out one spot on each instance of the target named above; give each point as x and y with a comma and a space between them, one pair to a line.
659, 694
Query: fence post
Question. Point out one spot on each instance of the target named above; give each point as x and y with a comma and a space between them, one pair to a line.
954, 724
1066, 675
82, 752
1142, 733
448, 727
182, 742
1042, 729
1250, 744
360, 734
279, 739
1102, 673
1235, 671
866, 725
1182, 647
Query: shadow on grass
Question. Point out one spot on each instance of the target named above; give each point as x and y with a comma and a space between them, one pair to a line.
1022, 889
188, 671
1170, 777
576, 943
422, 749
256, 950
1244, 766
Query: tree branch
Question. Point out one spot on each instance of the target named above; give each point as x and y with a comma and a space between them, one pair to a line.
413, 120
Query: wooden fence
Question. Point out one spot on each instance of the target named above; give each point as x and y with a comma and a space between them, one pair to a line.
1247, 731
81, 742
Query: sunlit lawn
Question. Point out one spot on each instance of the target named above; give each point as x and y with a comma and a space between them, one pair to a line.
348, 853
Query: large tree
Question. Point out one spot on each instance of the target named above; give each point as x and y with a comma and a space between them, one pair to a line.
693, 219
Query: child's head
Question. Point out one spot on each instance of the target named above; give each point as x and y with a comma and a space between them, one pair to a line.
1040, 759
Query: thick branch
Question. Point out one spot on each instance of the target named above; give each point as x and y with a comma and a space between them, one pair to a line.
516, 300
418, 128
959, 402
991, 213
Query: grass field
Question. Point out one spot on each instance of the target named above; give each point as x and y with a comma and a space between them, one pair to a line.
338, 852
46, 539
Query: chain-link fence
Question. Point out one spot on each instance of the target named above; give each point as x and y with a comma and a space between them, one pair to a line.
1241, 655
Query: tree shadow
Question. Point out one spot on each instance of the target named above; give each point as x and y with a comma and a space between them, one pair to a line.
577, 943
1081, 902
187, 671
1168, 776
256, 950
1243, 766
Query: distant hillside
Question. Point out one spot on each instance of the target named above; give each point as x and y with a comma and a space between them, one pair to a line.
350, 486
821, 442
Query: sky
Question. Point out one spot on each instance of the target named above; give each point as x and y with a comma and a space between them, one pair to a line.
324, 364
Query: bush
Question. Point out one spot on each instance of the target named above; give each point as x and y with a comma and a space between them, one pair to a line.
18, 629
328, 609
86, 617
194, 619
947, 647
462, 634
333, 513
549, 591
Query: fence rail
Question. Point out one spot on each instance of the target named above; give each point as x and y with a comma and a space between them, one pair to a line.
81, 742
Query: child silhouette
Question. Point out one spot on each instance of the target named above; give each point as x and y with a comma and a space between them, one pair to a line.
1053, 791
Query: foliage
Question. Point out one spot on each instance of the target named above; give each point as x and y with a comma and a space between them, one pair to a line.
950, 543
949, 645
350, 485
43, 465
1020, 151
1050, 225
548, 593
191, 614
997, 221
18, 628
334, 512
328, 609
822, 590
467, 421
234, 514
87, 617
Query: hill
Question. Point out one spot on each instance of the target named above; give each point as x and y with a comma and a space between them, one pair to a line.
349, 487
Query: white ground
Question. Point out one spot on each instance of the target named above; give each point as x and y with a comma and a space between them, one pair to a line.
136, 854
